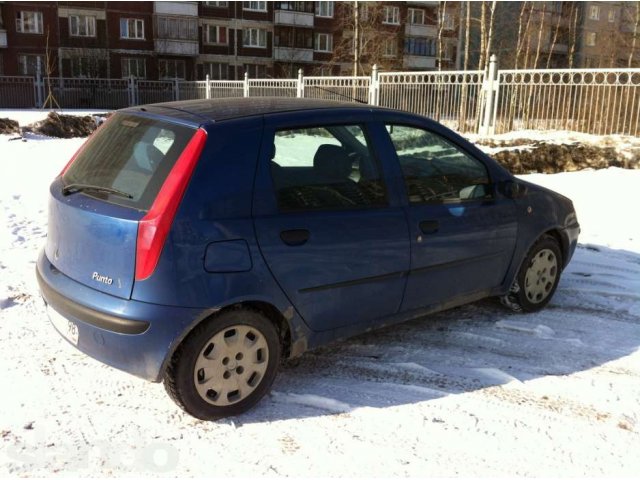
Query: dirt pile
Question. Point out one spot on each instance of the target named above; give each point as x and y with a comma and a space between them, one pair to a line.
552, 158
8, 126
64, 126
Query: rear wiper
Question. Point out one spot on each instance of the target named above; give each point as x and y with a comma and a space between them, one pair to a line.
79, 187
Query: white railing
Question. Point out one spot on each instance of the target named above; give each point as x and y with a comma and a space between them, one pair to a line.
598, 101
448, 97
355, 89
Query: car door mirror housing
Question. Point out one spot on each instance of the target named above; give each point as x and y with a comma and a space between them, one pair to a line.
512, 189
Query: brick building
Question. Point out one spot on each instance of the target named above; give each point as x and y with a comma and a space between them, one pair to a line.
222, 39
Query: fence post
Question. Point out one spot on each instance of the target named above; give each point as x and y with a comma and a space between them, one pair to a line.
39, 87
300, 85
374, 87
207, 91
176, 90
490, 87
131, 90
245, 91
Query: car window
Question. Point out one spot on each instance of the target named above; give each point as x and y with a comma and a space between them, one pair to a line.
329, 167
435, 170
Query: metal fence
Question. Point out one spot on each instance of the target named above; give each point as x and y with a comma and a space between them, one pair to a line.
448, 97
602, 102
599, 101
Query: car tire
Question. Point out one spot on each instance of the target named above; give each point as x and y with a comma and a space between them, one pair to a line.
225, 365
537, 278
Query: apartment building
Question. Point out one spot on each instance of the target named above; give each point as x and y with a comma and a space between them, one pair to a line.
223, 39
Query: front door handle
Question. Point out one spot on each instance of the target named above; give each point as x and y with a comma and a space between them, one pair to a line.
294, 238
429, 226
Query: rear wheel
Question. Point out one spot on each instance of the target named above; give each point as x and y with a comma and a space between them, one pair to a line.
225, 366
538, 277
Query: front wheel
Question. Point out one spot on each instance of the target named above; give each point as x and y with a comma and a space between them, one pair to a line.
225, 365
537, 278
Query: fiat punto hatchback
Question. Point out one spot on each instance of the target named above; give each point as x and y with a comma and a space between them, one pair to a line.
198, 243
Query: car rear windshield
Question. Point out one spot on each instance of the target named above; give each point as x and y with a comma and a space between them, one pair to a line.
131, 154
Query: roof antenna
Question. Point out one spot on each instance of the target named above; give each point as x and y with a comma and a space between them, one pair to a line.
336, 93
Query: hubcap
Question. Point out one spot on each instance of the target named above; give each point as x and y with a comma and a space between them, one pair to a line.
231, 365
540, 276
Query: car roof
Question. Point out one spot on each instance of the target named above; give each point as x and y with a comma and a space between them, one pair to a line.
219, 109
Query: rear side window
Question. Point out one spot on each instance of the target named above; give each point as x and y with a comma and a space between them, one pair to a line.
131, 154
329, 167
435, 170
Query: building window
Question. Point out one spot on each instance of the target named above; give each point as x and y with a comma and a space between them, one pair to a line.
422, 47
85, 67
254, 37
324, 42
216, 71
391, 15
217, 4
594, 12
306, 7
82, 26
134, 67
255, 71
255, 6
591, 39
132, 28
324, 9
447, 22
31, 65
29, 22
390, 47
171, 69
416, 16
293, 37
612, 16
215, 35
178, 28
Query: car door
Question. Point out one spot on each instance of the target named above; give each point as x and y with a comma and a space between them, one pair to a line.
463, 232
325, 225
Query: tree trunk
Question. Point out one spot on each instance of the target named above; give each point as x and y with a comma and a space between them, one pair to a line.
490, 34
540, 30
462, 115
635, 36
483, 36
555, 39
574, 34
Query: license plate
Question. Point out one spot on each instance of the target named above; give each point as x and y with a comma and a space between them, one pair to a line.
67, 328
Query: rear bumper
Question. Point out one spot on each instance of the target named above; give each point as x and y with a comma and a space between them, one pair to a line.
126, 334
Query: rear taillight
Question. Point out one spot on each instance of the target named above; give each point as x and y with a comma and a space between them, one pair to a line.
155, 225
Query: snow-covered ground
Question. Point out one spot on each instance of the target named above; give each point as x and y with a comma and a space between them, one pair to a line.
475, 391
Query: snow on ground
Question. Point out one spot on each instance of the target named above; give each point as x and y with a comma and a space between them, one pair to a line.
475, 391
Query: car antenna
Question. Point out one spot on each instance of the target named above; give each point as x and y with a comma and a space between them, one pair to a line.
339, 94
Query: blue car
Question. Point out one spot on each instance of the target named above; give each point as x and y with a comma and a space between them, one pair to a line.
199, 243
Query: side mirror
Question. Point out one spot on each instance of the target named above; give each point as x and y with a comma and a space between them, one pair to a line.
512, 189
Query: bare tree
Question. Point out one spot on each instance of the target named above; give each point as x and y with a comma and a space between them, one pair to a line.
490, 34
634, 40
540, 30
372, 42
462, 115
442, 11
483, 35
555, 39
49, 69
573, 34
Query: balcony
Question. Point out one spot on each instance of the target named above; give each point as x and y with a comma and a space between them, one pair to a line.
412, 30
288, 54
415, 62
171, 46
176, 8
3, 38
293, 18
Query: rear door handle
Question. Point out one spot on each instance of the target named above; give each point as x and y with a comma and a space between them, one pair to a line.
429, 226
294, 238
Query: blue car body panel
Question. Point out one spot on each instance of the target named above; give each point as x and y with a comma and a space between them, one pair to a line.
360, 268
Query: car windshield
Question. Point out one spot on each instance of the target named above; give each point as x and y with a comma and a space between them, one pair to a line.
128, 154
